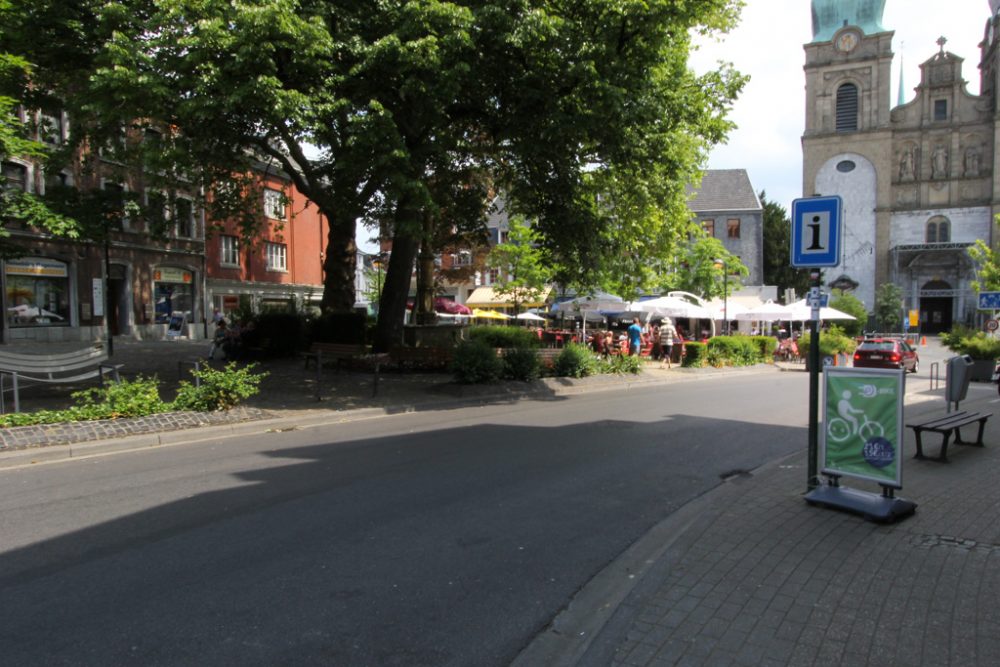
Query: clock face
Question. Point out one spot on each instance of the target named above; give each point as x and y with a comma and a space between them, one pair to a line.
847, 41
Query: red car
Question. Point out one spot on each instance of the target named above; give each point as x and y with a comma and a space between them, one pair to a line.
886, 353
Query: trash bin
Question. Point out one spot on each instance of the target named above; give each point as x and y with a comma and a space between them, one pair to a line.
958, 375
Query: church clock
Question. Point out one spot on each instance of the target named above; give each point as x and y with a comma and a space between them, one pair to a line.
847, 41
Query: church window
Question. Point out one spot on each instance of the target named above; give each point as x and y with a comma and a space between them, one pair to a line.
940, 109
846, 166
938, 230
847, 108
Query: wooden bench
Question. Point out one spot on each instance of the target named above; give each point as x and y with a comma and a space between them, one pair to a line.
62, 368
946, 425
321, 353
437, 358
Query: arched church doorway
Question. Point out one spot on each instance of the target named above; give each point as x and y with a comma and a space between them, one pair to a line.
935, 311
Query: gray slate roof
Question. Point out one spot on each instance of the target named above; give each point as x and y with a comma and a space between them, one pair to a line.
724, 190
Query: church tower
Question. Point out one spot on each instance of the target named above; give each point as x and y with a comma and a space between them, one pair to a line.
847, 140
917, 180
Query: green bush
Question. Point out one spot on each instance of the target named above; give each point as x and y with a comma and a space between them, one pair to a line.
766, 345
830, 343
695, 355
852, 305
521, 363
476, 363
576, 361
976, 344
505, 337
129, 398
732, 351
218, 389
620, 364
280, 334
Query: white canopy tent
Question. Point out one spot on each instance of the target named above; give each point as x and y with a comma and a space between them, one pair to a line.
768, 311
671, 306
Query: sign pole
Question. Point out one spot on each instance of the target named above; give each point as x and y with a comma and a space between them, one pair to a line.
813, 477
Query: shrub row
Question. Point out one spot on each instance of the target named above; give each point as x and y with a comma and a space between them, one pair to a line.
477, 362
218, 390
729, 351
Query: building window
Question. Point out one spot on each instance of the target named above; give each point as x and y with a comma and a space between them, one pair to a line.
184, 218
940, 109
938, 230
15, 176
847, 108
37, 292
116, 199
492, 276
277, 257
229, 250
50, 126
156, 212
462, 258
274, 204
733, 228
709, 227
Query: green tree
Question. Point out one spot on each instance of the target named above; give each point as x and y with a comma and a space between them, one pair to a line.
586, 113
889, 307
852, 305
522, 266
987, 261
777, 250
698, 269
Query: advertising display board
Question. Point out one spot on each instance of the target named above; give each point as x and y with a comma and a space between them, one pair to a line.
862, 434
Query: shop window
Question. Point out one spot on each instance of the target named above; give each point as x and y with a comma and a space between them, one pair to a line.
37, 292
173, 293
229, 250
733, 228
15, 176
277, 257
709, 227
274, 204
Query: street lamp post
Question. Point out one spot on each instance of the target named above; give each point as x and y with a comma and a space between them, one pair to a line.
725, 296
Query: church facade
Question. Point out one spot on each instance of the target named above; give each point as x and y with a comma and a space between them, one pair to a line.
919, 179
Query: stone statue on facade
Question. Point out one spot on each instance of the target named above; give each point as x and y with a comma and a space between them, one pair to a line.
907, 163
972, 161
828, 16
939, 162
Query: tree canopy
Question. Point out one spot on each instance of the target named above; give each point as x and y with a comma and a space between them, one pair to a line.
586, 114
777, 249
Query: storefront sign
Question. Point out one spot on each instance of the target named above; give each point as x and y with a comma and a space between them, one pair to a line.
863, 424
97, 290
36, 266
169, 274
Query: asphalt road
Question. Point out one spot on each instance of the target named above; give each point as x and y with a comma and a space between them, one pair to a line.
438, 538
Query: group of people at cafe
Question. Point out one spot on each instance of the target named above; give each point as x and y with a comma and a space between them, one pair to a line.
662, 341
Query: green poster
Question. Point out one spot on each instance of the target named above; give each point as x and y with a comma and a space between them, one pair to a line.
863, 424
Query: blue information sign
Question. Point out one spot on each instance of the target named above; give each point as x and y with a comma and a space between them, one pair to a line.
816, 234
989, 301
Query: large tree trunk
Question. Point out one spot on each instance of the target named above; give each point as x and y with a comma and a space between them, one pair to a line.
423, 309
339, 266
392, 305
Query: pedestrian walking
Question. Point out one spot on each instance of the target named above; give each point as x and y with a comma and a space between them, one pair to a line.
634, 337
668, 334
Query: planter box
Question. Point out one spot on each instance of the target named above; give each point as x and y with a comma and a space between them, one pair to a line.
982, 370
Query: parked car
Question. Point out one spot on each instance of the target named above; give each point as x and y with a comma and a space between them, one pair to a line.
886, 353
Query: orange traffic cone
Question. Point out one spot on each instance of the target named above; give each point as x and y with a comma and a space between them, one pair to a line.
923, 341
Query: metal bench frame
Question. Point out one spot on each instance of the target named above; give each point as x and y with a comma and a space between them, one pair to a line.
946, 425
62, 368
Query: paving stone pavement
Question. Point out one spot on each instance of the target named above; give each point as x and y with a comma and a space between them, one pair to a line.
762, 578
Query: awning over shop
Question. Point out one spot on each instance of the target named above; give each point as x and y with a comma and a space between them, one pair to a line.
483, 297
